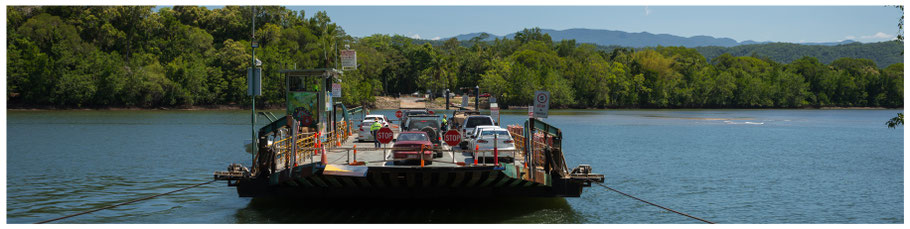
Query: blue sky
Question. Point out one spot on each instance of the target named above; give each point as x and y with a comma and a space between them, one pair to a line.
758, 23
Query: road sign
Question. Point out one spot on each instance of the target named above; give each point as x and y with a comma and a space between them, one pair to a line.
398, 114
384, 135
348, 59
336, 90
452, 137
541, 104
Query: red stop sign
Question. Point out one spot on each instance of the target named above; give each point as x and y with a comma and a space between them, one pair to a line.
384, 135
452, 137
398, 114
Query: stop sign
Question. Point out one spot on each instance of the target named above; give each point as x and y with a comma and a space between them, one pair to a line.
452, 137
384, 135
398, 114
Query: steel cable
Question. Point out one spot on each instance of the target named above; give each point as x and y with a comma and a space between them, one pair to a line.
653, 204
125, 203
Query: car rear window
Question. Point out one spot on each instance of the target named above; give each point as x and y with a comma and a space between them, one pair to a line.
417, 112
497, 132
480, 121
420, 124
413, 137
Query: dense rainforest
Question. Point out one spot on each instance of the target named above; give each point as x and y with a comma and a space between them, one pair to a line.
134, 56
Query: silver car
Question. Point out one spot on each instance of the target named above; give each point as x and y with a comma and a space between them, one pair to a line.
498, 137
363, 133
472, 122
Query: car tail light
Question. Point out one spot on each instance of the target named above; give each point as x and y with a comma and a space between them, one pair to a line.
482, 141
508, 141
431, 112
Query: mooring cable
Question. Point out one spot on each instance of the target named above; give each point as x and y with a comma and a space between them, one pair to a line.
125, 203
653, 204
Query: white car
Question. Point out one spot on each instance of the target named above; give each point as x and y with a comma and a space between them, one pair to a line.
363, 133
500, 137
473, 135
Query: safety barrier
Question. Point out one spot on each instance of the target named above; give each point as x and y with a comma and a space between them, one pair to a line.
308, 146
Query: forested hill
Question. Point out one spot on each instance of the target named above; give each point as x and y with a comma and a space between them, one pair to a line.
132, 56
882, 53
635, 40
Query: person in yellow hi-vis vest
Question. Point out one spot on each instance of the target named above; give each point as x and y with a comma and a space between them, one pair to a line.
373, 130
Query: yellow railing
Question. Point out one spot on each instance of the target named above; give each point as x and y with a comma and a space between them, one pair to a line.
283, 149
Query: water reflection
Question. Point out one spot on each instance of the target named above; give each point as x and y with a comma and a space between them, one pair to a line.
508, 210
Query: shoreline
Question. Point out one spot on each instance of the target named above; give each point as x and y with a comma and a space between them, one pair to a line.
391, 103
432, 108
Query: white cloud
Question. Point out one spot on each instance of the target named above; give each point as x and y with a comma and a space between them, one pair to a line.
436, 38
415, 36
647, 11
878, 35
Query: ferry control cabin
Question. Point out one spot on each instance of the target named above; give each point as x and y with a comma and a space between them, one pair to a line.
311, 152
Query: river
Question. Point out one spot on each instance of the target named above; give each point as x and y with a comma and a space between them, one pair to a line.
726, 166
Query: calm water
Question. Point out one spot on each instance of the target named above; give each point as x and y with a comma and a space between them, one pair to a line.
727, 166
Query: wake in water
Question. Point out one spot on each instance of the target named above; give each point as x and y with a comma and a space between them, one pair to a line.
744, 123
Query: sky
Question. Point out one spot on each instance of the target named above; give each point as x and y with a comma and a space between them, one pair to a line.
795, 24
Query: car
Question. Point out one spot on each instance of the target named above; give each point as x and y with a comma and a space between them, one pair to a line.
484, 95
473, 135
473, 121
499, 138
458, 117
363, 133
408, 113
427, 123
406, 148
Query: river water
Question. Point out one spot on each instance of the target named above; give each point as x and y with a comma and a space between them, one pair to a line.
726, 166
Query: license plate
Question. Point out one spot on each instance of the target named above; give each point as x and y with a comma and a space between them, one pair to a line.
412, 157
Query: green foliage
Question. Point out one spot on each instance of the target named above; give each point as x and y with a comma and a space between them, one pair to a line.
883, 53
130, 56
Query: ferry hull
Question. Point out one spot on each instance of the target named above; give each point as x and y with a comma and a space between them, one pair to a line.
310, 181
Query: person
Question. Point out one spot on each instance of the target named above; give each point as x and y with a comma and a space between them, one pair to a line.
373, 130
445, 123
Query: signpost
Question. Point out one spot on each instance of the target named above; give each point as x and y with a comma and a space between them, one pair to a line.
494, 111
253, 81
384, 135
541, 104
452, 138
336, 90
348, 59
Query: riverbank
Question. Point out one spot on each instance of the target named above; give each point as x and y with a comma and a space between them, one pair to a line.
391, 103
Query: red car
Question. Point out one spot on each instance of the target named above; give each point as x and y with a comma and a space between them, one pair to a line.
407, 146
484, 95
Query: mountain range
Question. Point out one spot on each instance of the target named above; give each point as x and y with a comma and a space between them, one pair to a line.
637, 40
